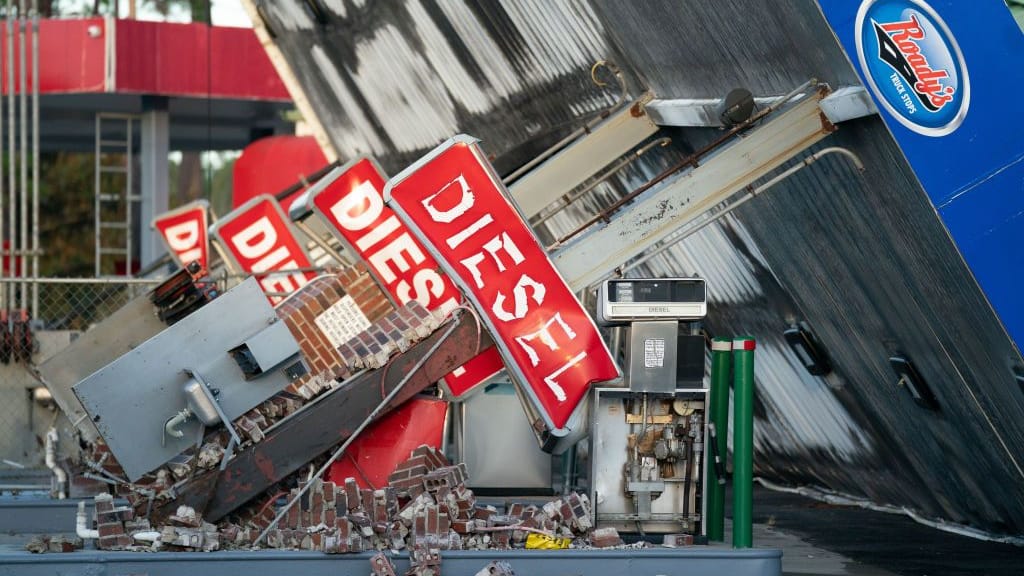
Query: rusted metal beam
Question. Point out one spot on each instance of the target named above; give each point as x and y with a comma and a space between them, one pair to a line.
656, 212
325, 423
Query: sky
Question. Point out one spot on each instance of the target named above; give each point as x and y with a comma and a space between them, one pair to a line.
229, 13
223, 12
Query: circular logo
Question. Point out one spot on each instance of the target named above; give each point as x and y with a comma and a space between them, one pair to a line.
913, 64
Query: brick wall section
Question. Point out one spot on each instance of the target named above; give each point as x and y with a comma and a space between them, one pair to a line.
110, 523
365, 291
299, 313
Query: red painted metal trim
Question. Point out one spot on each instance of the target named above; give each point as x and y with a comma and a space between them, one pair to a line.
157, 58
71, 55
194, 60
744, 344
385, 444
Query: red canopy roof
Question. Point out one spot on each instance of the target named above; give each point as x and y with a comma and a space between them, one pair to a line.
156, 58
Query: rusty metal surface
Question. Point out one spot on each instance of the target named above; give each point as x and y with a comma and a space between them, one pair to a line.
125, 329
322, 425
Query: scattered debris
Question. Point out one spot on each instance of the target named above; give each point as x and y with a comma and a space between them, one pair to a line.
204, 537
424, 561
425, 508
380, 565
677, 540
185, 516
605, 538
45, 543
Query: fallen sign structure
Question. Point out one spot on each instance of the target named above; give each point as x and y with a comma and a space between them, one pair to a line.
325, 423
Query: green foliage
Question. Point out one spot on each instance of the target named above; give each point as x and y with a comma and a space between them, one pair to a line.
67, 211
66, 215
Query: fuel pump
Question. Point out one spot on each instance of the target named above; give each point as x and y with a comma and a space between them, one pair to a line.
648, 436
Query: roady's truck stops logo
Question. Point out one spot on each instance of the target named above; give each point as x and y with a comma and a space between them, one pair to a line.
913, 64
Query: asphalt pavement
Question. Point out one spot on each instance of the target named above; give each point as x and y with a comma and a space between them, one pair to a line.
820, 538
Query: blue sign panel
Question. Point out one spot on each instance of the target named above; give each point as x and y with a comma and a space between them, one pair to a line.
947, 75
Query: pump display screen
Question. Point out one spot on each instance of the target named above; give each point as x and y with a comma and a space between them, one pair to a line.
633, 299
668, 290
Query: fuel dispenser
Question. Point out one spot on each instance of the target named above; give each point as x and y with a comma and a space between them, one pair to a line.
648, 437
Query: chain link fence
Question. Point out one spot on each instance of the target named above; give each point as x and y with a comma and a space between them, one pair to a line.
38, 319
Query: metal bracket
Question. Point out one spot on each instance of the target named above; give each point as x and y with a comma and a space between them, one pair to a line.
843, 104
216, 405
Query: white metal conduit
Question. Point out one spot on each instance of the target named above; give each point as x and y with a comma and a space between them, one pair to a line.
82, 524
23, 238
60, 476
660, 212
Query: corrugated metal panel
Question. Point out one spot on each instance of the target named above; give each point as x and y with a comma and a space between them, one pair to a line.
866, 264
394, 78
862, 260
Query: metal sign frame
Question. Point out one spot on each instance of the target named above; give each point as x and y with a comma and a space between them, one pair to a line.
295, 271
546, 327
167, 225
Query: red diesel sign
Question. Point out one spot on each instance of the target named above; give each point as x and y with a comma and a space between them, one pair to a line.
353, 205
257, 236
184, 231
455, 203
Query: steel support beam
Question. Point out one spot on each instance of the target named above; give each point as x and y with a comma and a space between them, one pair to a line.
154, 145
690, 560
580, 160
693, 112
322, 425
662, 210
844, 104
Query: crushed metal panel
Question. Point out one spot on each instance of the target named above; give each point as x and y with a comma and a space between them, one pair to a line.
131, 399
321, 425
663, 210
122, 331
270, 347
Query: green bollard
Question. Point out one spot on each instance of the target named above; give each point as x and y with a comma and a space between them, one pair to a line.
718, 445
743, 442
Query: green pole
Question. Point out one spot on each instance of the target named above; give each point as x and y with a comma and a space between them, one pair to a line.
743, 442
718, 412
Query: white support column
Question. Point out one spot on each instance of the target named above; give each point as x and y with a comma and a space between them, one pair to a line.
154, 146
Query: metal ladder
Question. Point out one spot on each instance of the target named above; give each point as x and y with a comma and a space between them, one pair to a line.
113, 208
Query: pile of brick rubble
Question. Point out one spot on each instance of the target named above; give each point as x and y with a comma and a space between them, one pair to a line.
392, 331
425, 509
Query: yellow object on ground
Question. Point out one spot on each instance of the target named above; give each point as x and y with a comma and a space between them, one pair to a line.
541, 542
